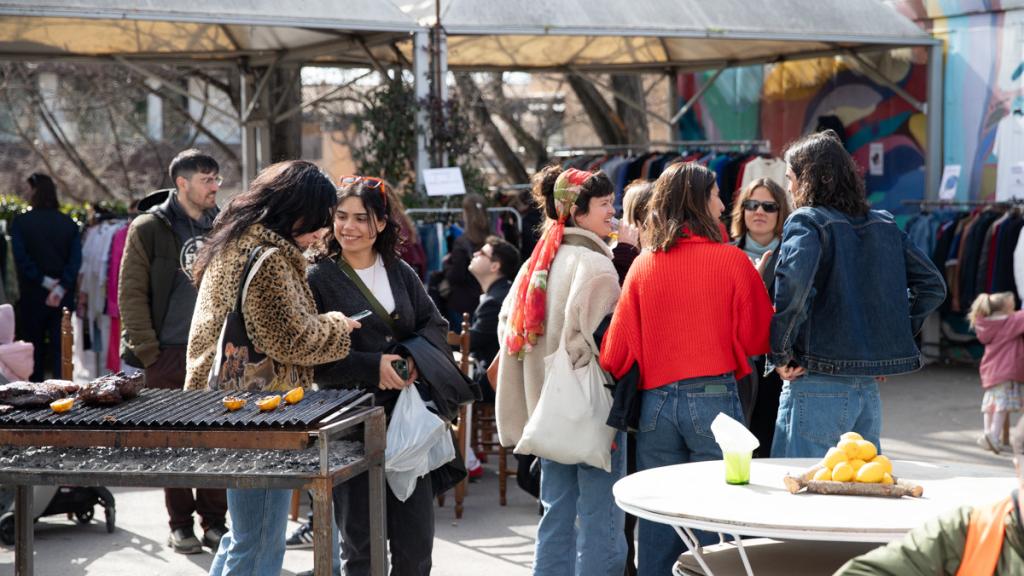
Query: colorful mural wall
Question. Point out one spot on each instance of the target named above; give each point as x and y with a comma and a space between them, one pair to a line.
983, 103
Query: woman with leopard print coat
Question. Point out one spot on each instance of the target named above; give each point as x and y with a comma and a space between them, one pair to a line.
286, 207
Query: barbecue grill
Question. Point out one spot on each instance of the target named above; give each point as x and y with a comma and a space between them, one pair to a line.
187, 438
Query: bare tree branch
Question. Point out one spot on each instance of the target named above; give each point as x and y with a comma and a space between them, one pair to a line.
513, 167
184, 113
607, 124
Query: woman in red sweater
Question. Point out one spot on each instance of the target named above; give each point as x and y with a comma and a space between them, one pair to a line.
692, 311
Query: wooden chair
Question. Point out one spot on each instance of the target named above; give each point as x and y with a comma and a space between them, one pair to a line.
485, 442
461, 341
67, 347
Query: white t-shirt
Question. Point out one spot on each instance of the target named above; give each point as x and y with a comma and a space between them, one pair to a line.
760, 167
376, 279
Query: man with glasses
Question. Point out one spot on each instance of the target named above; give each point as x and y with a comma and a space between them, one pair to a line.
156, 297
494, 266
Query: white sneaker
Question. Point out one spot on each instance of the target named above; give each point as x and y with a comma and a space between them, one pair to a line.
986, 443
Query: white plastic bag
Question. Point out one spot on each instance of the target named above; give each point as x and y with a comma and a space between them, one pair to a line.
415, 440
568, 424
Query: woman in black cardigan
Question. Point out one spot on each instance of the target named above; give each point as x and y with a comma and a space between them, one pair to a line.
364, 246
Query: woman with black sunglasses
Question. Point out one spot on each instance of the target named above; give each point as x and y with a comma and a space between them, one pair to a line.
757, 218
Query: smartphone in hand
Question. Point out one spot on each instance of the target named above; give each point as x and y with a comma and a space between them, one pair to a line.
401, 368
360, 315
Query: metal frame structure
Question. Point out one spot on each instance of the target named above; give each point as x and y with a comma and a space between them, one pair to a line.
395, 35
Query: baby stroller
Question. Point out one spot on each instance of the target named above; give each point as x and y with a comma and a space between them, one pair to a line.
75, 501
78, 502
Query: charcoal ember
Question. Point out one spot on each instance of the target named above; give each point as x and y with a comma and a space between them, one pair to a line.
5, 408
35, 394
111, 389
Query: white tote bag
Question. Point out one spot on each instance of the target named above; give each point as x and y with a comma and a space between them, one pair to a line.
568, 423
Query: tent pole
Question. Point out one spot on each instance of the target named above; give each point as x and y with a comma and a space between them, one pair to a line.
934, 110
696, 97
421, 73
673, 100
248, 129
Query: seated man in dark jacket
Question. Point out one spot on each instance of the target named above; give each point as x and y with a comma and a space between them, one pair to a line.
494, 266
952, 543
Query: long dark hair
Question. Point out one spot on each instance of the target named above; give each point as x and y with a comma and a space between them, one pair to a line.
381, 206
288, 198
679, 207
44, 192
826, 175
597, 186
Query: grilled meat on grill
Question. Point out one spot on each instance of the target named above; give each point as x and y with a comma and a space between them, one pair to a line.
111, 389
36, 394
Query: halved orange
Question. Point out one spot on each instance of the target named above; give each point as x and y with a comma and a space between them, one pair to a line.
294, 396
63, 405
233, 403
268, 403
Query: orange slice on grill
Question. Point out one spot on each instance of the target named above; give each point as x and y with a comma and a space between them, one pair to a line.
268, 403
63, 405
233, 403
294, 396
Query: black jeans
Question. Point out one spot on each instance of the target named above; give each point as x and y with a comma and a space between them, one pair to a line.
40, 325
410, 528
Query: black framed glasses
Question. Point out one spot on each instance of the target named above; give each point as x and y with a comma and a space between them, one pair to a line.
768, 206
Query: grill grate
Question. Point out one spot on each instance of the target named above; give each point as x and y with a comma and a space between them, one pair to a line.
195, 409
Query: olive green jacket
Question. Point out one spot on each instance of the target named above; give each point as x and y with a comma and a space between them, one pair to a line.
936, 548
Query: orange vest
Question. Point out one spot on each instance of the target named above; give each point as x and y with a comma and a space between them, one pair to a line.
985, 538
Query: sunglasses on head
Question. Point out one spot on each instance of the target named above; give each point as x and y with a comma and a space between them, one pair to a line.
370, 182
769, 207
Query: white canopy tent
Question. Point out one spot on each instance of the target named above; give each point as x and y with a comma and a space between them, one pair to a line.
685, 35
571, 35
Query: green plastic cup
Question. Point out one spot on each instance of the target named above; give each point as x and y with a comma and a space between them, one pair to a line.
737, 467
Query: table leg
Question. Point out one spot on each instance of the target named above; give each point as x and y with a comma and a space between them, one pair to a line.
378, 521
323, 551
694, 547
738, 541
24, 530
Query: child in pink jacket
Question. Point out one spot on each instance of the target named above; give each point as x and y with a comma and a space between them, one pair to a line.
1001, 329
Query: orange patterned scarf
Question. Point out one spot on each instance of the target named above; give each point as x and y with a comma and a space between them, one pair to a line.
526, 323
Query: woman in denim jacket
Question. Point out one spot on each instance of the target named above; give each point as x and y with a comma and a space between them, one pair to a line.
851, 291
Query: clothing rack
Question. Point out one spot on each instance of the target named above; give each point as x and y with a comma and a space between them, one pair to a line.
412, 212
509, 187
760, 146
955, 203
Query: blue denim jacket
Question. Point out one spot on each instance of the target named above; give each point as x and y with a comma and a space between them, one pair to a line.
850, 294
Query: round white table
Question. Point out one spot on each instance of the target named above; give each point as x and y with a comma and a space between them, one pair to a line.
695, 496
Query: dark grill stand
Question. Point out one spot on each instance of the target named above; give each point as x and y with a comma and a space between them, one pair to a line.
355, 442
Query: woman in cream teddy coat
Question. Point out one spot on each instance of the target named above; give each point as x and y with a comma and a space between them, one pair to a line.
581, 287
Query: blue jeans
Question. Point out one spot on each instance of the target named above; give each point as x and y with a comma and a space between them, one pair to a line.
675, 428
816, 409
255, 544
594, 545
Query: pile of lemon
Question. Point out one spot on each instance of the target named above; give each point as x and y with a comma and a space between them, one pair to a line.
855, 459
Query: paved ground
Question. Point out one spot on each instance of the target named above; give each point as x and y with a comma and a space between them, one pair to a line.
931, 415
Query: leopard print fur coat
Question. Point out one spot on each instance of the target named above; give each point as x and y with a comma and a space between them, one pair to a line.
279, 311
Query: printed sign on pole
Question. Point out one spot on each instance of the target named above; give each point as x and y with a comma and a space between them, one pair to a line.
444, 181
950, 179
876, 159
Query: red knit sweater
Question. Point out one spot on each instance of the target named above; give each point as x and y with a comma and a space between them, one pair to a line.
699, 309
